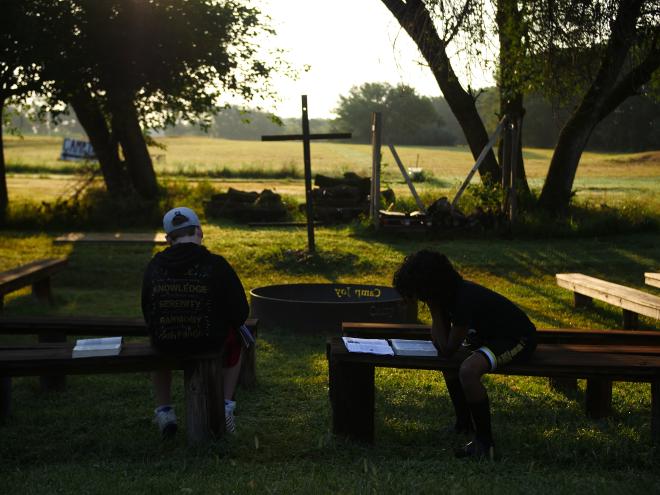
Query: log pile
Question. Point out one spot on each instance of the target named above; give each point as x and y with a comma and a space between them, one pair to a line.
440, 217
247, 206
340, 199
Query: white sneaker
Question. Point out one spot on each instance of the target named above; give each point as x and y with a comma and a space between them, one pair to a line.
165, 418
230, 422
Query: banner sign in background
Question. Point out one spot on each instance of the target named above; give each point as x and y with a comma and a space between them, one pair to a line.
77, 150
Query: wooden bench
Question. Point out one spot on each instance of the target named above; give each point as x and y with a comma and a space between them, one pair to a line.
351, 377
598, 391
204, 396
54, 329
36, 273
652, 279
634, 302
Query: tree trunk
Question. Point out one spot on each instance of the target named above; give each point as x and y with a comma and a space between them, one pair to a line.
4, 195
126, 127
415, 19
595, 105
557, 190
510, 30
93, 121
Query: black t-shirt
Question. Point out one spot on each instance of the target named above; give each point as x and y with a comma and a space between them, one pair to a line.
488, 313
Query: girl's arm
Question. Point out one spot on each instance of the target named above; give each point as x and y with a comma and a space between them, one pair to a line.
446, 337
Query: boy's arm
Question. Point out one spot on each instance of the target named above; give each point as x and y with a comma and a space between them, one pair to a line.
446, 337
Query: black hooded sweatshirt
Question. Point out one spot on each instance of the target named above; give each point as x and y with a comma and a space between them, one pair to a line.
191, 298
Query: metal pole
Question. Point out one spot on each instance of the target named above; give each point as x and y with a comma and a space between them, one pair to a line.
308, 177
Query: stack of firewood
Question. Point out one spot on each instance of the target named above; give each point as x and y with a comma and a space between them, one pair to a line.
247, 206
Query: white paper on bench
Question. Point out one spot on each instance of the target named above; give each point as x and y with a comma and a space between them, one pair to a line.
107, 346
368, 346
406, 347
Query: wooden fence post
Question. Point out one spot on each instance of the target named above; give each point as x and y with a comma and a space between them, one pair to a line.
376, 137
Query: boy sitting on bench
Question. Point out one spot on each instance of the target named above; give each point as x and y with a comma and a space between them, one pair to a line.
192, 299
464, 313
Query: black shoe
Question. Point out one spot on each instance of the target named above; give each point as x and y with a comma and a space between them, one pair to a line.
476, 450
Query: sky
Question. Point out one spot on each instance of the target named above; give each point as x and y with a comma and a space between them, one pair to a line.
344, 43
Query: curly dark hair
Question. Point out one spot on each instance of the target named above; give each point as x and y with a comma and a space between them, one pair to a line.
427, 276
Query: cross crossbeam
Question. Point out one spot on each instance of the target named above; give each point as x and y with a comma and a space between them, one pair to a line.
306, 137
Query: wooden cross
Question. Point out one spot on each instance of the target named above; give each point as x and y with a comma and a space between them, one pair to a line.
306, 137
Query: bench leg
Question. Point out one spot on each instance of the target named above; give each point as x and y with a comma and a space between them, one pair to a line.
41, 290
53, 382
599, 398
567, 386
5, 398
581, 301
630, 320
248, 374
352, 399
205, 404
655, 413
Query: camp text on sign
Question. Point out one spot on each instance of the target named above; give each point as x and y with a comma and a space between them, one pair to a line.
73, 149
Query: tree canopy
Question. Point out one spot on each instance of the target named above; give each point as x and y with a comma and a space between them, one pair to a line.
408, 118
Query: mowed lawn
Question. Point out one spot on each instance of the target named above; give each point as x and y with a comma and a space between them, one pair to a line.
97, 436
601, 177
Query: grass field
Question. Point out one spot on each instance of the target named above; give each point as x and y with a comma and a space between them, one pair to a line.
610, 178
97, 436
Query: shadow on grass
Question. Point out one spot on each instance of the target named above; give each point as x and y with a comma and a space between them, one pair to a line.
331, 264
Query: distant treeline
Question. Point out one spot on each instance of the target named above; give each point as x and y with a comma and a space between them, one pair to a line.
634, 126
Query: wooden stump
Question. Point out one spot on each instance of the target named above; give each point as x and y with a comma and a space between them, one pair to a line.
630, 320
655, 413
205, 405
599, 398
352, 399
42, 291
566, 386
53, 382
248, 376
5, 398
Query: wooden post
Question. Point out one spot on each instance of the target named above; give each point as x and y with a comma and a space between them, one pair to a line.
420, 205
630, 320
513, 199
477, 164
352, 399
205, 404
599, 398
42, 291
376, 136
248, 375
566, 386
55, 382
5, 398
655, 413
308, 177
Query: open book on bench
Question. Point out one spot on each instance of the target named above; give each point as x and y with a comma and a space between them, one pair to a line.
406, 347
107, 346
391, 347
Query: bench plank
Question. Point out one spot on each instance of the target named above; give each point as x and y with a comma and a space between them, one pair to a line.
30, 273
56, 328
652, 279
202, 377
141, 237
624, 297
548, 360
544, 335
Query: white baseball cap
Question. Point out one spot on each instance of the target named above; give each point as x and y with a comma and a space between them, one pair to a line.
179, 218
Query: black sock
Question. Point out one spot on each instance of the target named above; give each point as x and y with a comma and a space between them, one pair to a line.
461, 407
481, 417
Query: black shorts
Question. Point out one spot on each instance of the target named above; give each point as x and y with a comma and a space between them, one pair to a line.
503, 350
